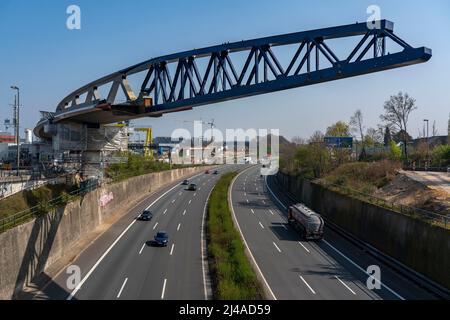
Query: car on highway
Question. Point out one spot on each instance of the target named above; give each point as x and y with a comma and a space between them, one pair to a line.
192, 187
146, 215
207, 172
161, 238
216, 172
185, 182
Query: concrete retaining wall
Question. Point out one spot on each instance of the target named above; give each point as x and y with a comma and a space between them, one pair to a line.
415, 243
28, 250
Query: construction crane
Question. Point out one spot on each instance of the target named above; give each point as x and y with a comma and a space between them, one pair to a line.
148, 137
211, 123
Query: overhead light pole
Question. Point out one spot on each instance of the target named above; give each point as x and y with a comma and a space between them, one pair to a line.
17, 127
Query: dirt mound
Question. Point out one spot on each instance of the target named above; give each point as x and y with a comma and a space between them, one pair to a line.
406, 191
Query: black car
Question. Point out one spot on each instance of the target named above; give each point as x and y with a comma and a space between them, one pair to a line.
146, 216
192, 187
185, 182
161, 238
216, 172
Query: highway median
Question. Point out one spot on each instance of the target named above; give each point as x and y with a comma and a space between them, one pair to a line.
231, 273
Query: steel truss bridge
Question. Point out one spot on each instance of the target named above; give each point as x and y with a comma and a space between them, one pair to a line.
228, 71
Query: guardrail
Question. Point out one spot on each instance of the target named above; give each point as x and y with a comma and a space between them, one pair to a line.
44, 207
436, 218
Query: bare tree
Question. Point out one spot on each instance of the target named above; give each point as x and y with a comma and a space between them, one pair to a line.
396, 112
434, 131
298, 140
317, 137
356, 125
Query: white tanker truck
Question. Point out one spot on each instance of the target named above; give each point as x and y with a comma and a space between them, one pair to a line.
307, 222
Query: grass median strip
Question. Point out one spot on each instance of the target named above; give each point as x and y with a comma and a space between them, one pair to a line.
232, 275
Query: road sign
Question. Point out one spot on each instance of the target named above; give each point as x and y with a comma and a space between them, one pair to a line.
339, 142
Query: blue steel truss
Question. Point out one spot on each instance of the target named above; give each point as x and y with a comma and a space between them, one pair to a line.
188, 79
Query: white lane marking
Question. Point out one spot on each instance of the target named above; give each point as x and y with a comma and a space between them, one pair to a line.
189, 202
256, 189
178, 228
271, 211
165, 211
262, 226
361, 269
195, 194
284, 226
343, 283
155, 226
199, 188
339, 252
245, 194
121, 288
252, 211
184, 212
263, 202
230, 199
203, 246
248, 201
173, 201
309, 287
279, 250
304, 247
171, 249
180, 193
163, 289
77, 288
142, 249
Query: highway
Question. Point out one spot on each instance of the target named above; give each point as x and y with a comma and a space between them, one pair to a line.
122, 263
332, 269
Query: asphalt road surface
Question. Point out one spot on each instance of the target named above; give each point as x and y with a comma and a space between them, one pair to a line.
124, 264
295, 269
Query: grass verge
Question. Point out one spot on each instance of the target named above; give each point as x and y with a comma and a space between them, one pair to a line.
232, 275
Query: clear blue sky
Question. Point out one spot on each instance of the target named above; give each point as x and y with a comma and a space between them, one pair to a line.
48, 61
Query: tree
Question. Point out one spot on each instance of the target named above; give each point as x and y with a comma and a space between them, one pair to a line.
396, 112
395, 151
434, 131
298, 140
387, 137
356, 125
317, 137
338, 129
373, 137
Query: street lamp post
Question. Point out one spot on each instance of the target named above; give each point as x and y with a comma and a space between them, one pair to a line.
17, 127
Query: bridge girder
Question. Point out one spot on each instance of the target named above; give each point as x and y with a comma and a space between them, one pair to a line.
203, 76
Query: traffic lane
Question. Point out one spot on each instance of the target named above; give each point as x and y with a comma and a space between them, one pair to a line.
91, 254
150, 279
188, 247
356, 259
176, 271
120, 262
330, 278
273, 266
294, 274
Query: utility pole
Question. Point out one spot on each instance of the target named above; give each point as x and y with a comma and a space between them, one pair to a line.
17, 110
